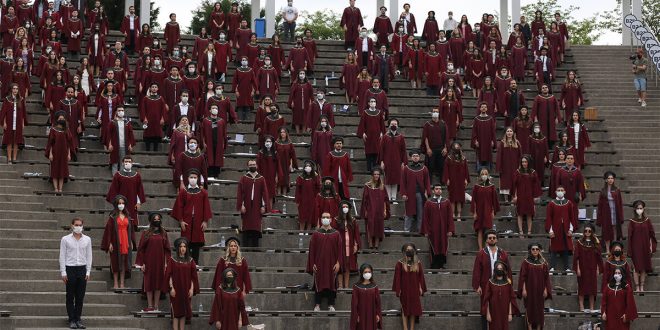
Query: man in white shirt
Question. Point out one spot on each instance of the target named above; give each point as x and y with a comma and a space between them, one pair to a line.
290, 15
75, 267
449, 25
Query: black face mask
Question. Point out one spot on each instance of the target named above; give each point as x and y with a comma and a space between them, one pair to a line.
229, 280
156, 224
410, 253
499, 272
61, 122
393, 128
252, 169
617, 253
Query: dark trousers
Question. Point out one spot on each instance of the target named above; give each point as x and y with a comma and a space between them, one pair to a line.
194, 251
289, 30
75, 291
251, 238
242, 112
214, 171
365, 61
341, 192
438, 261
372, 161
329, 294
565, 258
431, 90
130, 49
152, 143
436, 164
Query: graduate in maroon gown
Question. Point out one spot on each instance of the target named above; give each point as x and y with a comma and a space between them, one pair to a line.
74, 110
409, 285
609, 211
130, 28
244, 86
615, 258
642, 244
587, 263
415, 60
323, 262
456, 177
322, 138
483, 270
534, 286
181, 275
382, 27
375, 208
349, 231
522, 126
217, 21
511, 101
484, 205
268, 80
172, 33
252, 200
571, 178
507, 161
579, 136
538, 149
191, 158
519, 59
618, 308
392, 156
308, 185
286, 156
365, 302
499, 302
233, 259
351, 22
432, 70
300, 100
348, 79
193, 212
13, 118
560, 222
546, 111
525, 190
128, 183
371, 129
214, 133
269, 165
438, 226
451, 108
74, 31
571, 94
435, 142
228, 310
430, 31
118, 242
483, 137
337, 164
153, 113
415, 189
58, 151
152, 255
243, 41
376, 92
121, 140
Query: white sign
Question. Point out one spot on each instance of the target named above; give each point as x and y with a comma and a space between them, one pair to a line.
629, 19
650, 43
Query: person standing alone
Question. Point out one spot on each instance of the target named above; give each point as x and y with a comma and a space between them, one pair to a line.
75, 267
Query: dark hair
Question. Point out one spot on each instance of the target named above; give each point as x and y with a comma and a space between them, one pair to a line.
73, 221
364, 267
612, 283
224, 276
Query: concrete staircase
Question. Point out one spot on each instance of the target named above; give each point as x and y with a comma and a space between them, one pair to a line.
34, 220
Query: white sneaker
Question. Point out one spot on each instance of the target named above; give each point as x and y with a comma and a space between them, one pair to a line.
639, 100
552, 270
331, 309
569, 271
317, 308
643, 103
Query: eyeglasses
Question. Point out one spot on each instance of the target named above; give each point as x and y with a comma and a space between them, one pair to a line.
536, 249
587, 231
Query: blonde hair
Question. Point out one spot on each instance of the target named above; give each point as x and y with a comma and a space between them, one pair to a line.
239, 257
513, 143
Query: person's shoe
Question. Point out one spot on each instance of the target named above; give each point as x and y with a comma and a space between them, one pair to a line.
552, 270
643, 103
73, 325
639, 100
331, 309
569, 271
147, 310
80, 325
317, 308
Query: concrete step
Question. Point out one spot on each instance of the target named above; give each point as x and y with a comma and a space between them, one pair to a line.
58, 309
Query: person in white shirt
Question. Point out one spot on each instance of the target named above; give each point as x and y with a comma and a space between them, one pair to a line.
75, 268
290, 15
449, 25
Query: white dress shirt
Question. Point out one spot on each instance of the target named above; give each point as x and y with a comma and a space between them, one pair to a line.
75, 252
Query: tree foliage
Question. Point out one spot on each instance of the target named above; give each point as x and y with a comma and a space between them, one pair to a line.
153, 19
582, 32
611, 19
115, 11
202, 13
323, 23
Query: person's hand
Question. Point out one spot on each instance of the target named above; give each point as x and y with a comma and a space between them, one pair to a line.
444, 150
579, 273
243, 210
450, 234
238, 94
385, 213
570, 233
604, 317
218, 325
98, 120
110, 148
421, 292
377, 318
65, 279
405, 198
364, 136
382, 166
4, 126
314, 268
624, 318
429, 152
190, 292
204, 226
551, 234
355, 248
137, 206
335, 268
476, 144
143, 268
183, 225
162, 121
50, 157
68, 157
110, 248
79, 130
514, 200
524, 293
488, 318
262, 210
86, 277
545, 293
510, 317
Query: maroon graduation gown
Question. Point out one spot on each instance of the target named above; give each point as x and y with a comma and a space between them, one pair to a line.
382, 29
519, 61
571, 94
489, 96
430, 31
153, 253
500, 299
560, 219
583, 142
74, 111
482, 272
414, 177
270, 167
172, 35
642, 244
609, 265
321, 146
241, 42
437, 223
352, 19
244, 83
313, 116
60, 144
381, 100
365, 307
409, 286
573, 181
587, 256
525, 187
183, 275
242, 281
432, 69
129, 185
192, 207
507, 162
184, 162
484, 204
228, 309
452, 114
436, 134
332, 164
125, 28
222, 55
350, 242
111, 236
538, 149
172, 92
153, 110
456, 176
483, 132
113, 139
546, 111
214, 144
312, 52
393, 155
268, 81
276, 53
307, 187
298, 60
615, 303
286, 156
300, 100
253, 194
348, 79
372, 125
225, 110
7, 115
535, 278
374, 209
325, 203
324, 252
604, 215
523, 129
72, 27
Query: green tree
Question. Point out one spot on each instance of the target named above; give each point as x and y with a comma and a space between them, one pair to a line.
153, 19
115, 11
202, 13
611, 19
582, 32
323, 23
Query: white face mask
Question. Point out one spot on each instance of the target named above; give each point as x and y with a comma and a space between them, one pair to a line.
267, 62
120, 207
400, 29
435, 115
214, 111
128, 166
120, 114
184, 99
268, 145
192, 181
537, 130
301, 76
325, 221
221, 37
218, 91
450, 67
244, 63
157, 62
77, 229
345, 210
308, 169
484, 177
560, 194
319, 96
372, 104
324, 124
191, 70
618, 277
192, 146
363, 34
366, 276
639, 211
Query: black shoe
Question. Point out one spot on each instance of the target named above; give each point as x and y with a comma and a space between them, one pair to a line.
80, 325
73, 325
